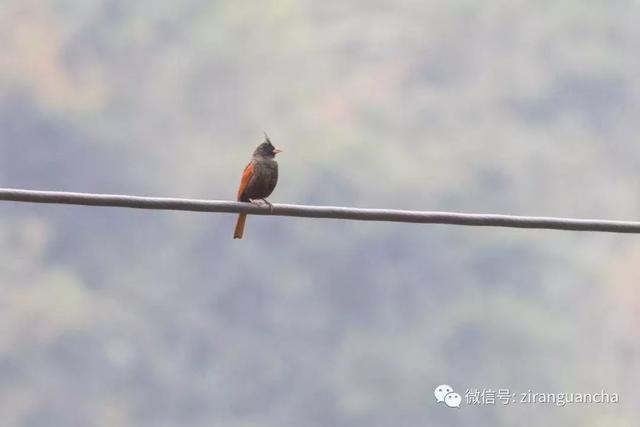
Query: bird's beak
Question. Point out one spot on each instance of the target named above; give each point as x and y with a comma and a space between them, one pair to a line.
277, 150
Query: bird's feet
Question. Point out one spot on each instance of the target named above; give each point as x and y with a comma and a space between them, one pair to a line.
262, 203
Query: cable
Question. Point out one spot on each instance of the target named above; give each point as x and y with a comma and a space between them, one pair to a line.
393, 215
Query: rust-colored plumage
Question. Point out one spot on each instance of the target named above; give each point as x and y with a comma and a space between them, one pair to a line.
258, 180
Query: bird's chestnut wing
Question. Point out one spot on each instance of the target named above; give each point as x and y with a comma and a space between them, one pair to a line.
244, 182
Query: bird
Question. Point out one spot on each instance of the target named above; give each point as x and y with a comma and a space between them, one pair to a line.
258, 180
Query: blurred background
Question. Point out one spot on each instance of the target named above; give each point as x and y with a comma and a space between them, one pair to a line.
115, 317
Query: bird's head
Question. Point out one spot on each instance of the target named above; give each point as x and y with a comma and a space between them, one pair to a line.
266, 149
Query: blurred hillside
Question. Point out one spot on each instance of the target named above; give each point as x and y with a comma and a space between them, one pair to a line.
123, 318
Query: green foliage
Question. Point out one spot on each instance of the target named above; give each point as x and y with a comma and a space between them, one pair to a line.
121, 318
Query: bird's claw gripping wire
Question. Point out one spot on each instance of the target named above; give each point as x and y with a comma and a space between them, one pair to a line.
262, 203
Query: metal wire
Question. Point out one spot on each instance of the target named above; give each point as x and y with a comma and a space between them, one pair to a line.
334, 212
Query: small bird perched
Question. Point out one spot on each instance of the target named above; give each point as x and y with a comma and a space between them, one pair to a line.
258, 180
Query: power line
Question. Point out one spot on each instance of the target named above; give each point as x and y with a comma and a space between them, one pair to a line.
392, 215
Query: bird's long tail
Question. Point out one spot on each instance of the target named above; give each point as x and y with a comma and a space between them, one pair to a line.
242, 218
